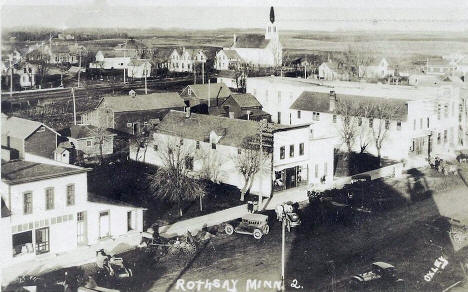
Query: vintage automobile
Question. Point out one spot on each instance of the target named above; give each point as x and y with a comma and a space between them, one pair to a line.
382, 275
252, 224
360, 178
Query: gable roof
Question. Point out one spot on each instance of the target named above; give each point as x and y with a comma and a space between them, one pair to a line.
82, 131
162, 53
138, 62
245, 100
153, 101
20, 128
198, 127
20, 171
320, 102
232, 54
201, 90
251, 41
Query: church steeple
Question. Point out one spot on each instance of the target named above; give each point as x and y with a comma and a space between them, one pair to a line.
271, 30
272, 15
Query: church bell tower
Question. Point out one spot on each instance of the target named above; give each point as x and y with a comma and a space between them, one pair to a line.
271, 29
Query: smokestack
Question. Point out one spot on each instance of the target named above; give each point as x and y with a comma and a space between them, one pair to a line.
332, 100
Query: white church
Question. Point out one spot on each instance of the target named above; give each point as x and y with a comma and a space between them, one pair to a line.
257, 50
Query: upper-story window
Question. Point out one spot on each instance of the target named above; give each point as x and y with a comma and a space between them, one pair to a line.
50, 198
298, 114
197, 145
334, 118
88, 143
438, 111
213, 146
398, 126
315, 116
428, 122
27, 203
291, 150
301, 149
70, 194
282, 152
446, 111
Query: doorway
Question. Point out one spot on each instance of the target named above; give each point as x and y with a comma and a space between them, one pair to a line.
42, 240
104, 224
81, 232
291, 177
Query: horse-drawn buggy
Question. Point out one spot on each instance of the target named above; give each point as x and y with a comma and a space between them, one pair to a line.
443, 166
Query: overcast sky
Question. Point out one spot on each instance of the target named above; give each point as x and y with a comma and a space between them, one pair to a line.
425, 15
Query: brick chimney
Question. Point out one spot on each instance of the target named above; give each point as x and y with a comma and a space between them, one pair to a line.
332, 100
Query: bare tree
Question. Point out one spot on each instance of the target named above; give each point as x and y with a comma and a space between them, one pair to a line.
363, 111
382, 114
251, 160
355, 60
41, 59
101, 137
347, 129
173, 182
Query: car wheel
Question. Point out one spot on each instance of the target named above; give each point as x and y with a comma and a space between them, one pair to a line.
229, 229
257, 234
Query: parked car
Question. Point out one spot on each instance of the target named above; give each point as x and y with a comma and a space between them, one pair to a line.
360, 178
382, 276
252, 224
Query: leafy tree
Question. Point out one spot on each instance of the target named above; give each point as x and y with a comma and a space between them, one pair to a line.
173, 182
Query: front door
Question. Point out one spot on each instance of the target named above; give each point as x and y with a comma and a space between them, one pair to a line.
42, 240
291, 177
81, 231
104, 224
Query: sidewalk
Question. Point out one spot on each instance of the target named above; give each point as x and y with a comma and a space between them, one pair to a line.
77, 257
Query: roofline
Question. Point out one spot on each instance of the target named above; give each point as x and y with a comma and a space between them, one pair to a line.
292, 127
44, 177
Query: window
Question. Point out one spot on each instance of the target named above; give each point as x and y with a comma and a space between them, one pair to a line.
88, 143
279, 96
316, 116
387, 124
282, 152
279, 117
71, 195
49, 198
446, 111
291, 150
371, 122
129, 125
438, 111
398, 126
359, 121
213, 146
24, 70
316, 170
189, 163
27, 203
80, 216
438, 138
239, 151
298, 114
181, 142
169, 151
428, 122
301, 149
155, 147
445, 136
334, 119
420, 123
197, 145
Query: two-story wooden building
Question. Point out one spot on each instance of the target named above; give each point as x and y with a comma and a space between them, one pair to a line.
243, 106
131, 113
200, 97
46, 209
28, 136
90, 140
290, 153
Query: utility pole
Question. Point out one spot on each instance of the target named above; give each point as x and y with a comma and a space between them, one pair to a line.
194, 73
283, 241
74, 105
146, 72
203, 72
209, 93
11, 75
79, 70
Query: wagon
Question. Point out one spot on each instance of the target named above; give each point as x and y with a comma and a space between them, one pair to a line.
251, 224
